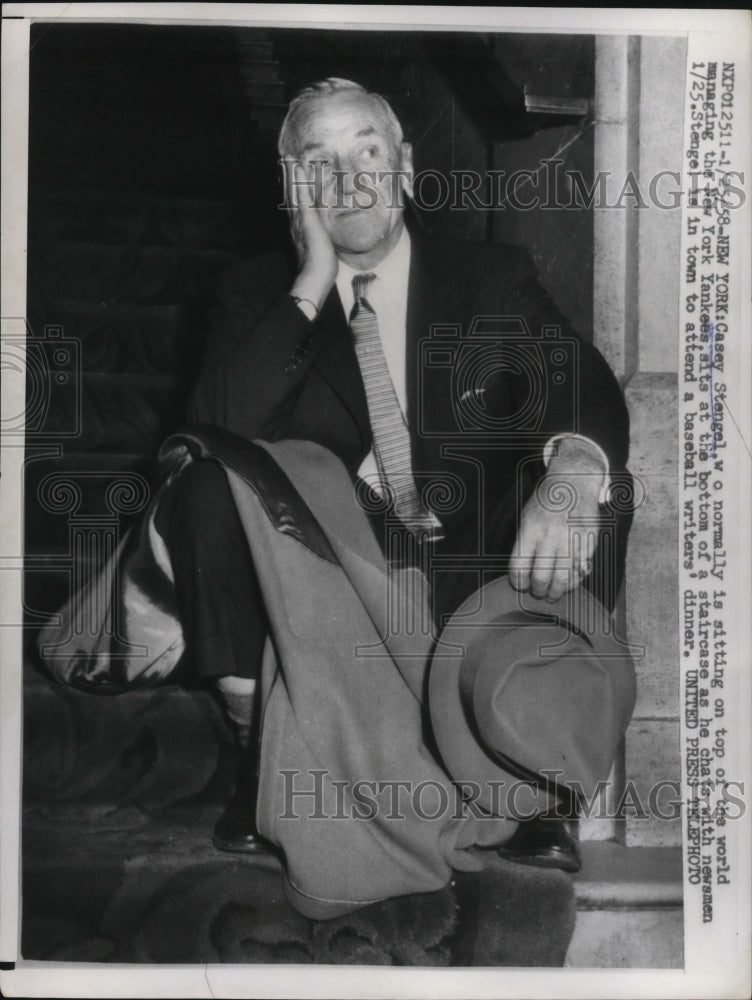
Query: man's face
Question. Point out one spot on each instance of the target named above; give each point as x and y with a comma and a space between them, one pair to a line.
346, 146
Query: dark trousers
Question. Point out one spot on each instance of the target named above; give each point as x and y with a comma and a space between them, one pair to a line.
219, 597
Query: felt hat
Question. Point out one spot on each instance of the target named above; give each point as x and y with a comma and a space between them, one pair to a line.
523, 688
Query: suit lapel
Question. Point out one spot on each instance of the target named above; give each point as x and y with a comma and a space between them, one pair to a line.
433, 298
338, 365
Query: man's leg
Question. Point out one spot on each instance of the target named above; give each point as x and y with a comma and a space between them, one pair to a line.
218, 593
222, 616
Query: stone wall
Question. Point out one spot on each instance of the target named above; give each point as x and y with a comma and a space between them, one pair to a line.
636, 307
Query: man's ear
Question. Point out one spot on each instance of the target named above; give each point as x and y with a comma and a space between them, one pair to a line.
406, 168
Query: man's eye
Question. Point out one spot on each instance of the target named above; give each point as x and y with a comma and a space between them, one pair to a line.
370, 153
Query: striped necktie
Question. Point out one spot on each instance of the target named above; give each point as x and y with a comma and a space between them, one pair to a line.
391, 438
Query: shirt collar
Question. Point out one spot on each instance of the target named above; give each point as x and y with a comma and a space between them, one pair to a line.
392, 271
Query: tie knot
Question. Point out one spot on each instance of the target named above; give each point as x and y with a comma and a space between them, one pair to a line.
361, 284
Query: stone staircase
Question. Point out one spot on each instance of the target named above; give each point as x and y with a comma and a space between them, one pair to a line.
119, 291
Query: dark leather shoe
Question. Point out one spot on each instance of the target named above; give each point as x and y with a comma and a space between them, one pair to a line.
544, 842
235, 830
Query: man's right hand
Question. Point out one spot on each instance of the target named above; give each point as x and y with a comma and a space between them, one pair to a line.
318, 261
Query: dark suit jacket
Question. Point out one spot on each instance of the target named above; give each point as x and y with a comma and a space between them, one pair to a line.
479, 400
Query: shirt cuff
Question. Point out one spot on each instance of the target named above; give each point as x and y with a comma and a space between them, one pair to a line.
549, 451
307, 307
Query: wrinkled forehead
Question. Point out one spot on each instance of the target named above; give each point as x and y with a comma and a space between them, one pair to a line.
340, 117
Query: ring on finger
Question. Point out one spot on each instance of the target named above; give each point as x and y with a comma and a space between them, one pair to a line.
585, 568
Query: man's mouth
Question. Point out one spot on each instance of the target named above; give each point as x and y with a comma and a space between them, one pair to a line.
348, 214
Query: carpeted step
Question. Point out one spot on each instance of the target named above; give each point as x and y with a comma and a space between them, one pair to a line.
120, 760
163, 894
121, 794
120, 797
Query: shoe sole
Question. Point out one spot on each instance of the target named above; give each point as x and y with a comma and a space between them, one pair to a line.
570, 867
230, 847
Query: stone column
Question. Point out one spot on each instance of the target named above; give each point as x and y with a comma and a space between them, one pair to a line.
639, 121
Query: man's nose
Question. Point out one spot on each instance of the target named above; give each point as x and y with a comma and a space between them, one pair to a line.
345, 174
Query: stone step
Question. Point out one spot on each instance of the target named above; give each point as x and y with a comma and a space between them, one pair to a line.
96, 411
269, 117
200, 70
629, 908
153, 109
260, 77
258, 70
111, 217
74, 493
254, 49
125, 337
263, 91
81, 494
184, 135
109, 274
160, 39
79, 487
224, 158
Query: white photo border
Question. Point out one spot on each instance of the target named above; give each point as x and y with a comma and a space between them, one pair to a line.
716, 965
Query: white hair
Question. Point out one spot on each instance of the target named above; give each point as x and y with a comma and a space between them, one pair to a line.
328, 88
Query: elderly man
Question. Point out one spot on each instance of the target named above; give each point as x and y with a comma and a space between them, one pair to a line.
331, 347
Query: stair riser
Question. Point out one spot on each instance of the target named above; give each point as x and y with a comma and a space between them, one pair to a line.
643, 938
109, 275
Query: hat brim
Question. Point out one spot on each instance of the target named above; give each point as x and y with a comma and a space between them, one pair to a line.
483, 642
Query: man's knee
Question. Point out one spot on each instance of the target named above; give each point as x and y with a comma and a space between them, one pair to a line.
198, 500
